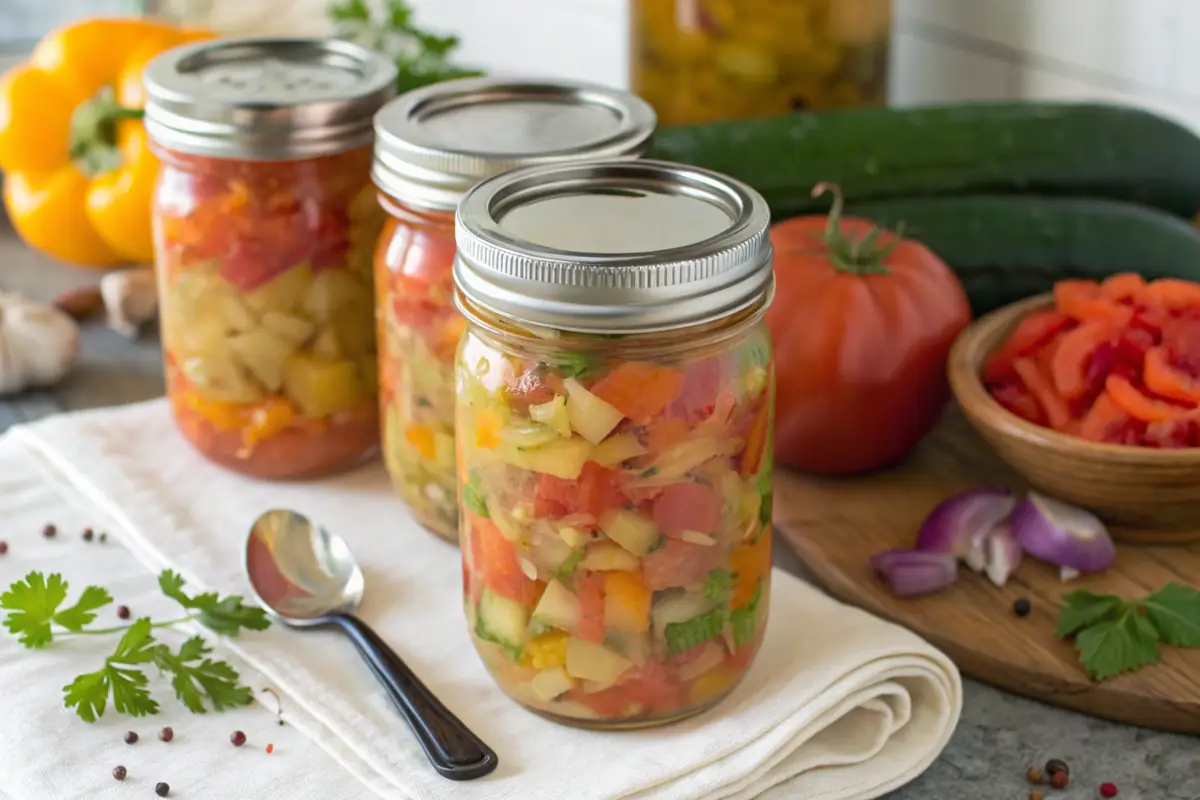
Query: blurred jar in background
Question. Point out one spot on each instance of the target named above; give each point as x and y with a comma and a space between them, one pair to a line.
700, 61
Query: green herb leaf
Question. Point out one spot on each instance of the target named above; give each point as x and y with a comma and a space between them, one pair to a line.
193, 682
1114, 646
136, 645
473, 497
224, 615
572, 364
1084, 609
1175, 612
32, 604
78, 616
88, 693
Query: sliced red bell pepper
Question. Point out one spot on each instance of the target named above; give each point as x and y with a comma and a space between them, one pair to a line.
1030, 334
1141, 406
1058, 413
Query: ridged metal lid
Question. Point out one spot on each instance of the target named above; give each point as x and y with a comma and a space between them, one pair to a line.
613, 247
266, 98
433, 144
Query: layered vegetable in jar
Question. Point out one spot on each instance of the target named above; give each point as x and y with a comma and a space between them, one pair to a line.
432, 145
705, 60
265, 226
615, 400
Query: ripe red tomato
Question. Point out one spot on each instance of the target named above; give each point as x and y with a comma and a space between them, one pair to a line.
861, 334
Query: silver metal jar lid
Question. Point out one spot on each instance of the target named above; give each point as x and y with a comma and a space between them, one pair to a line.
613, 247
266, 98
433, 144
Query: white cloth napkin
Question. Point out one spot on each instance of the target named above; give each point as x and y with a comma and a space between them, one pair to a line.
838, 704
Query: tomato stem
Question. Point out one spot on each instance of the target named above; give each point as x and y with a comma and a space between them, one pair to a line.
863, 256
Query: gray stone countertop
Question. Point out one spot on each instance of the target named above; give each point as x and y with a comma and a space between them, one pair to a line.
999, 736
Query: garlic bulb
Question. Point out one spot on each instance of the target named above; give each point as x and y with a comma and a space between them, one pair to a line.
38, 344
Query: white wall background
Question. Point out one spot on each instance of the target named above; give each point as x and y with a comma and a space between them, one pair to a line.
1145, 52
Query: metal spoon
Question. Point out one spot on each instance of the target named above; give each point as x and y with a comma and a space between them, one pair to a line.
307, 578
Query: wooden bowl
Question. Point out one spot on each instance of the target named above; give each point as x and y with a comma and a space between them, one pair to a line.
1150, 495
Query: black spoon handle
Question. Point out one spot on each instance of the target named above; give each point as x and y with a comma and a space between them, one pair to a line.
455, 752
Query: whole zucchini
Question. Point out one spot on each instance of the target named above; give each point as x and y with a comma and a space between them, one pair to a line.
1004, 248
1078, 149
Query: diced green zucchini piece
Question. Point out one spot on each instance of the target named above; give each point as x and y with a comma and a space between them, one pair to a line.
743, 622
562, 458
502, 620
636, 533
717, 585
559, 607
682, 636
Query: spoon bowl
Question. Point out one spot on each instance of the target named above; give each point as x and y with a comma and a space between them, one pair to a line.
306, 577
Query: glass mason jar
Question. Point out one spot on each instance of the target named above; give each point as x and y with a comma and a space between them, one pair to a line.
432, 145
615, 398
706, 60
265, 222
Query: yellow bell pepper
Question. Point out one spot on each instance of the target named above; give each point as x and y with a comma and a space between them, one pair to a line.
79, 175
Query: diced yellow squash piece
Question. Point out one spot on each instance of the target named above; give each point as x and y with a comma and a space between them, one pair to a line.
551, 683
636, 533
201, 335
422, 439
594, 662
615, 449
218, 376
326, 344
284, 292
330, 291
320, 387
562, 458
590, 417
558, 607
289, 326
262, 353
608, 557
547, 650
626, 602
552, 414
237, 316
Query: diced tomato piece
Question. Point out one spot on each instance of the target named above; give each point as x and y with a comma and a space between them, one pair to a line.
495, 559
652, 688
687, 507
1030, 334
1081, 300
595, 490
1013, 395
665, 432
698, 393
1172, 433
639, 390
1173, 294
680, 563
1042, 389
589, 588
1069, 367
1124, 287
1165, 379
739, 660
1141, 406
532, 386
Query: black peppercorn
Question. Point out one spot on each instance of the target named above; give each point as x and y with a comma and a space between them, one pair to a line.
123, 612
238, 738
1059, 780
88, 533
3, 548
131, 737
162, 789
48, 530
166, 734
119, 772
1022, 606
1057, 765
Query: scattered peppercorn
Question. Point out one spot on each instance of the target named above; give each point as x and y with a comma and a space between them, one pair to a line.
49, 531
270, 749
1035, 775
162, 789
103, 537
1022, 606
3, 548
238, 738
1036, 794
1057, 765
88, 533
1059, 780
123, 612
131, 738
166, 734
119, 773
1108, 789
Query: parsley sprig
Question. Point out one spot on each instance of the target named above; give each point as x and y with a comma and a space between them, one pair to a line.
37, 613
1114, 635
421, 57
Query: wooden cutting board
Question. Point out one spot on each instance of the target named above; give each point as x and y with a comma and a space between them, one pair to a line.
835, 525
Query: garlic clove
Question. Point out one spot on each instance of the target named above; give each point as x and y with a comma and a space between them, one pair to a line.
38, 344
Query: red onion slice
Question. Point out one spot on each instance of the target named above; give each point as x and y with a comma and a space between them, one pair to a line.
913, 572
1003, 554
1062, 534
960, 525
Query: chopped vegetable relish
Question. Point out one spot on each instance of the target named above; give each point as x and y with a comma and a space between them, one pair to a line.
616, 522
419, 330
267, 307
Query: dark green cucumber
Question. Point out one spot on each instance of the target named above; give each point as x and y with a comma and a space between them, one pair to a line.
1004, 248
1084, 150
